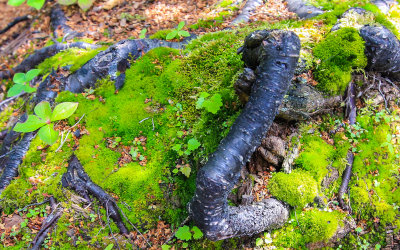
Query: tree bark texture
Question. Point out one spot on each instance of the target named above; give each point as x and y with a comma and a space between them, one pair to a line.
303, 10
274, 54
382, 49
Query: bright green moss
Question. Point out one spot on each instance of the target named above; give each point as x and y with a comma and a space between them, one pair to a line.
74, 57
381, 18
385, 212
340, 53
318, 225
161, 34
297, 188
316, 156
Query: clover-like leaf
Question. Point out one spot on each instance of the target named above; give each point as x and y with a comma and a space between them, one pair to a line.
186, 171
15, 2
29, 89
143, 34
202, 98
15, 89
193, 144
183, 233
31, 74
37, 4
183, 33
32, 123
48, 134
43, 110
66, 2
180, 25
85, 4
197, 234
213, 104
63, 110
19, 78
172, 35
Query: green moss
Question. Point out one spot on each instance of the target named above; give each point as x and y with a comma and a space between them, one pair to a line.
340, 53
161, 34
74, 57
381, 18
297, 188
318, 225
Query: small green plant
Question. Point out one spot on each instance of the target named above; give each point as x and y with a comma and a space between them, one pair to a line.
83, 4
44, 118
37, 4
185, 233
212, 104
21, 81
178, 32
143, 34
266, 239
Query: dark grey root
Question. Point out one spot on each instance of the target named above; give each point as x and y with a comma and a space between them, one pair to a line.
14, 22
384, 5
77, 179
249, 7
302, 9
40, 55
58, 21
107, 62
274, 54
382, 49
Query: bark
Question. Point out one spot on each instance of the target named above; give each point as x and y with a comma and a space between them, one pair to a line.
14, 22
274, 54
382, 49
77, 179
351, 114
248, 8
58, 22
303, 10
47, 225
40, 55
107, 62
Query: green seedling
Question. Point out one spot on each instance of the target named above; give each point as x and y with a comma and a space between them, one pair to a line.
21, 81
143, 34
37, 4
44, 119
178, 32
83, 4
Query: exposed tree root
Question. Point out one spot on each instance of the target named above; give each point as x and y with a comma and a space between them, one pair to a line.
15, 22
302, 9
14, 159
382, 49
40, 55
58, 22
107, 63
277, 53
351, 114
76, 179
48, 224
248, 8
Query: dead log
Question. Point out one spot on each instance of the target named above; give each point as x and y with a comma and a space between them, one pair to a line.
77, 179
274, 54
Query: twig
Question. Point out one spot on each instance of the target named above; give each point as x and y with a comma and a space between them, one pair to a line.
15, 22
383, 96
144, 119
108, 223
137, 230
33, 204
10, 99
63, 140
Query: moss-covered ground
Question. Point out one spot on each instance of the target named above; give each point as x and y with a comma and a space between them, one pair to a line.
144, 143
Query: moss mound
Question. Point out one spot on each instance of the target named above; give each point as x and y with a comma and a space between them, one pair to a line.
318, 225
297, 188
340, 53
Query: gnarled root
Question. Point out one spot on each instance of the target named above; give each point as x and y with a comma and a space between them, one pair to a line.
274, 54
76, 179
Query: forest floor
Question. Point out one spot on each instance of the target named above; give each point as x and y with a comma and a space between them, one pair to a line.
108, 22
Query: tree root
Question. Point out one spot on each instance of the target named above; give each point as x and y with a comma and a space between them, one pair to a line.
351, 114
248, 8
303, 10
382, 49
277, 53
48, 224
58, 22
107, 63
40, 55
76, 179
15, 22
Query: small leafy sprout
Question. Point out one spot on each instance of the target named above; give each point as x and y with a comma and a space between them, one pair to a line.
21, 81
143, 34
44, 118
212, 104
264, 240
83, 4
178, 32
184, 233
37, 4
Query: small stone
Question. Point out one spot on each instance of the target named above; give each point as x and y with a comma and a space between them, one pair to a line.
276, 145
